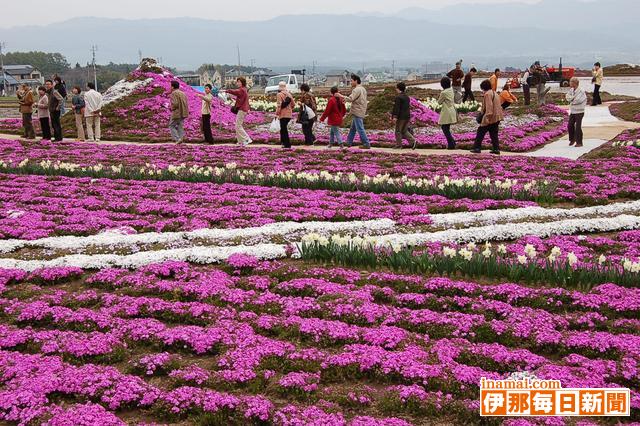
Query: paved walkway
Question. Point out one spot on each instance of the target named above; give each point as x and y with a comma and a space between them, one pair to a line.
599, 127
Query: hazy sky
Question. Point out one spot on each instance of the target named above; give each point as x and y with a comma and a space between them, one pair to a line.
47, 11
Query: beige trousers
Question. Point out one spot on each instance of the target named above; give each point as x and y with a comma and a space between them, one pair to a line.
241, 134
80, 126
93, 121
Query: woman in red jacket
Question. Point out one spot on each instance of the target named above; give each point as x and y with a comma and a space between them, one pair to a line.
335, 112
242, 109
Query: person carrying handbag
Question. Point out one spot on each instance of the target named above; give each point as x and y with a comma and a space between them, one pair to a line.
241, 109
284, 112
489, 119
598, 76
308, 114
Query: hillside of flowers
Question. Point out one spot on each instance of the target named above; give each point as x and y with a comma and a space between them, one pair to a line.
137, 109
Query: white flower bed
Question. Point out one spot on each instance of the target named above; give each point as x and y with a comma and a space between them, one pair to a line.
122, 89
512, 231
487, 217
199, 254
320, 231
116, 238
291, 230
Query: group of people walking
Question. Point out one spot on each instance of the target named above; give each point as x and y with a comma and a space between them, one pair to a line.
456, 85
50, 107
334, 113
489, 118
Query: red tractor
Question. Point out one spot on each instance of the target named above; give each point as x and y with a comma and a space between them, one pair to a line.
561, 74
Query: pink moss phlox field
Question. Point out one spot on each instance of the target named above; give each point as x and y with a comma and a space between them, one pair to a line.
588, 181
39, 206
290, 332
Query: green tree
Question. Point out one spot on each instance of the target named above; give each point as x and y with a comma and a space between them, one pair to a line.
47, 63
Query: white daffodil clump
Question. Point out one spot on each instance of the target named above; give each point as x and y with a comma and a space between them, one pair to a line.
572, 259
635, 143
467, 106
530, 251
630, 266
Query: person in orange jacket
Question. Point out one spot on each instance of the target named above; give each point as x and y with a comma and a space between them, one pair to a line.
506, 97
494, 80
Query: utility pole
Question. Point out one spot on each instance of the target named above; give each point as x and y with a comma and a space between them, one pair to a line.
4, 75
94, 49
363, 70
139, 56
313, 67
253, 63
393, 70
238, 48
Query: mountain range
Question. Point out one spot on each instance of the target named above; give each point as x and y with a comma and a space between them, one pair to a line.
488, 35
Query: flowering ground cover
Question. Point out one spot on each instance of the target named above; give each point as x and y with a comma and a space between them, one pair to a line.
40, 206
629, 110
282, 343
625, 146
218, 285
596, 179
138, 109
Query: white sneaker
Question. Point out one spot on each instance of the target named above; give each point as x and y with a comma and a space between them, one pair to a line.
97, 140
247, 142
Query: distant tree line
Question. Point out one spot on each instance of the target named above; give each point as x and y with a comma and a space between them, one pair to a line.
56, 63
47, 63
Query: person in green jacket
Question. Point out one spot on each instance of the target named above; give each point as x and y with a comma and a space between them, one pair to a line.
448, 114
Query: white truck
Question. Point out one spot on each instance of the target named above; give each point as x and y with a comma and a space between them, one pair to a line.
293, 83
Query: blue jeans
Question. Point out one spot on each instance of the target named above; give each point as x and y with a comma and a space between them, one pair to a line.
357, 125
334, 135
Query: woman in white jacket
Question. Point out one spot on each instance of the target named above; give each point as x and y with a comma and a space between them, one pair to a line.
577, 99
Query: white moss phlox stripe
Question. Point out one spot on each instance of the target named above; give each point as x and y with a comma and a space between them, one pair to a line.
123, 88
108, 239
512, 231
202, 255
505, 215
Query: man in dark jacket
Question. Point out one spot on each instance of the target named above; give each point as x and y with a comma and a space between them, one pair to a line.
468, 80
402, 114
55, 102
456, 75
